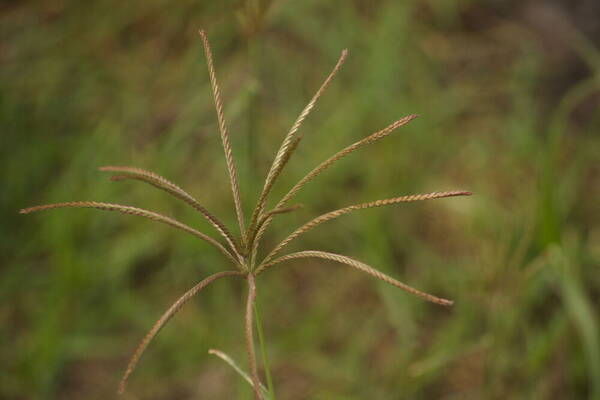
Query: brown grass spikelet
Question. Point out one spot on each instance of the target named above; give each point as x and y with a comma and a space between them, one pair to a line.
167, 315
233, 178
338, 213
290, 142
362, 267
134, 211
332, 160
168, 186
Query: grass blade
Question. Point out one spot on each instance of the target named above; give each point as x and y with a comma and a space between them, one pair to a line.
231, 362
263, 351
580, 309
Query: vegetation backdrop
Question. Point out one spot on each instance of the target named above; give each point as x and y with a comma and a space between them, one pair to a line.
508, 95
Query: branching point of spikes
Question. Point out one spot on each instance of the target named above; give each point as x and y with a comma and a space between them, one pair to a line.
227, 359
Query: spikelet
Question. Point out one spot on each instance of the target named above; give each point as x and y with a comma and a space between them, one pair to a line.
364, 268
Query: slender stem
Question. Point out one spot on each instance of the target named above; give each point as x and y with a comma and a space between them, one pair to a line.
250, 336
263, 352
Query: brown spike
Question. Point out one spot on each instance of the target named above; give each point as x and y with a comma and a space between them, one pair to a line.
174, 190
338, 213
167, 315
330, 161
290, 142
233, 178
135, 211
362, 267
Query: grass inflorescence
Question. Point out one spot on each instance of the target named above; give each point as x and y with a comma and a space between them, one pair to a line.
243, 250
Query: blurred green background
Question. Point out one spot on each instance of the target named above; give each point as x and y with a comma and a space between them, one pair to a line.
508, 94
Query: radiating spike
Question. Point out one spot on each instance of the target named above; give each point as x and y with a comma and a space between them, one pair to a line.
338, 213
171, 188
167, 315
362, 267
134, 211
233, 178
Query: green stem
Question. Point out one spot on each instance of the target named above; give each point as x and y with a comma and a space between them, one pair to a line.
264, 353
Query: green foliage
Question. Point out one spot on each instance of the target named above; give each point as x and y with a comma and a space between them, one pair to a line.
105, 83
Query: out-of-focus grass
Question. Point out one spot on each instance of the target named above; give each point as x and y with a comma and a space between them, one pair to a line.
88, 84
